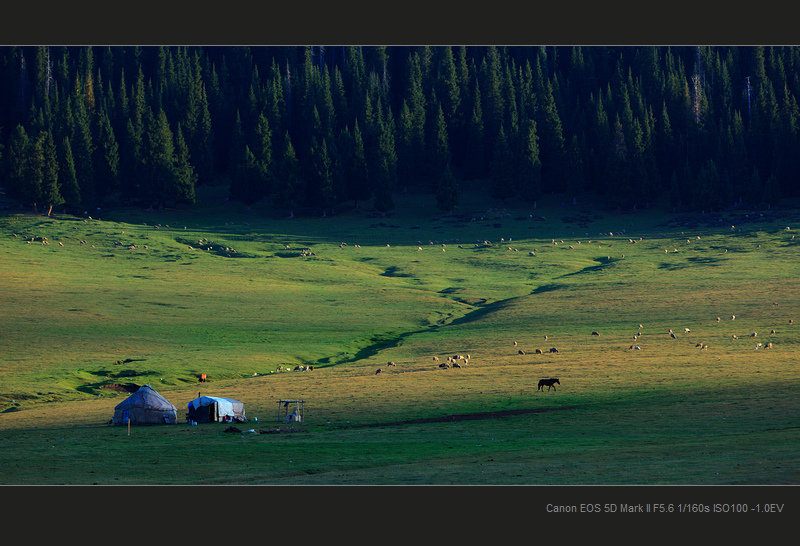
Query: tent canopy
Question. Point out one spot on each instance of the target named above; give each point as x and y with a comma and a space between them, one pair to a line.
215, 408
225, 406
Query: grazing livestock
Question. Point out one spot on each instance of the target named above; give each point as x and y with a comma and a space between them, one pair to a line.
551, 384
595, 334
521, 352
538, 351
203, 378
553, 350
378, 371
390, 363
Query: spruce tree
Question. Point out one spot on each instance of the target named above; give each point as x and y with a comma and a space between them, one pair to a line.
474, 163
31, 190
70, 190
161, 180
262, 151
133, 159
107, 160
385, 169
439, 147
573, 179
15, 161
501, 168
406, 169
289, 182
447, 191
50, 187
183, 188
417, 105
552, 140
320, 177
357, 173
84, 150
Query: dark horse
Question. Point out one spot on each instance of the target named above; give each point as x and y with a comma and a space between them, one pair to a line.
551, 383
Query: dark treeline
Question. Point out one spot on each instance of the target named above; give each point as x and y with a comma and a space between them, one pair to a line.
311, 128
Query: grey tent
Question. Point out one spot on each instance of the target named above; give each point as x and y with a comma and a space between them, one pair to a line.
212, 409
145, 407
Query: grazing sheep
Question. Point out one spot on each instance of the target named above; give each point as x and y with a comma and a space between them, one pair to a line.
538, 351
686, 330
768, 345
390, 363
754, 334
378, 371
734, 336
456, 365
521, 352
436, 359
553, 350
672, 335
595, 334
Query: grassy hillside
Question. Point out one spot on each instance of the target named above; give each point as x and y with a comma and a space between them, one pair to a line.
159, 297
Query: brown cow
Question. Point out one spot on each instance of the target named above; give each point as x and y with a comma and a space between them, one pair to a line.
202, 378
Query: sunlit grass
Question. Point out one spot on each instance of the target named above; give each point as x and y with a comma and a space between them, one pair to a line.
231, 294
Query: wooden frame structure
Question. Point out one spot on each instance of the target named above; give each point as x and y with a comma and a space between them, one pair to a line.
283, 410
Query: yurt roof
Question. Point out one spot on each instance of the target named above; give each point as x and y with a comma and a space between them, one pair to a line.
146, 397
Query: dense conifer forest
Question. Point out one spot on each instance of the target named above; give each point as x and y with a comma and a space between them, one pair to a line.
313, 128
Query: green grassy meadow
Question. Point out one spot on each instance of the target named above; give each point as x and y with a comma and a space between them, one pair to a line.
158, 297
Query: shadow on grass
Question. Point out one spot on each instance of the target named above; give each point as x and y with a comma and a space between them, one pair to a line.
465, 417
